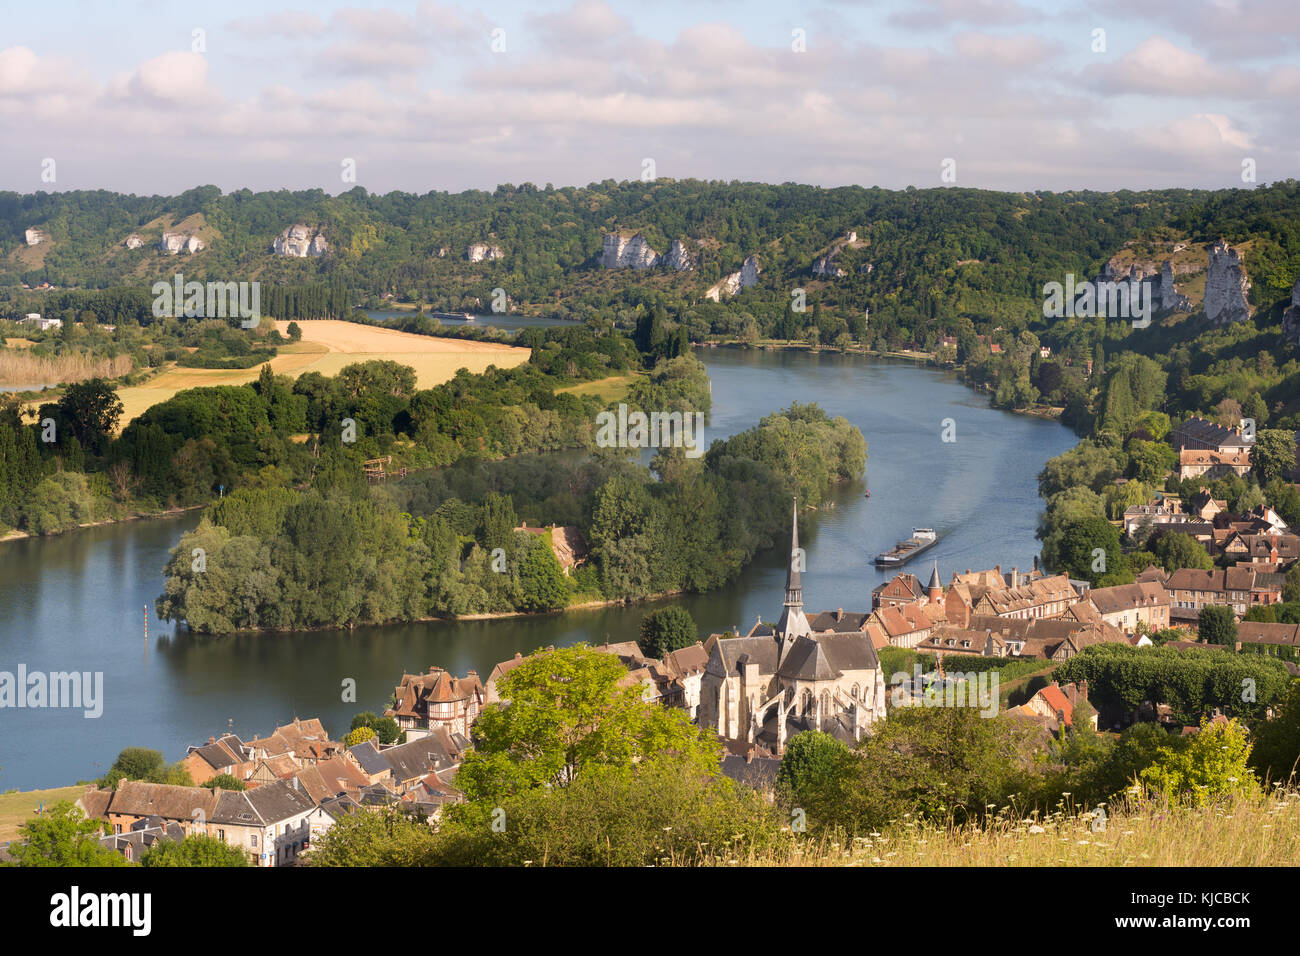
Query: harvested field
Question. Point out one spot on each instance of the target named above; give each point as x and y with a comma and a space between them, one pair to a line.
326, 347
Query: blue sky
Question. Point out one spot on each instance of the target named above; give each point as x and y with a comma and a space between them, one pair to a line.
1013, 93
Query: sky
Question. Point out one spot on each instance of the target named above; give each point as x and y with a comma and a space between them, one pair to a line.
158, 97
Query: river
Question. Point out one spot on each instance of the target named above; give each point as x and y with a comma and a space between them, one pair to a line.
77, 602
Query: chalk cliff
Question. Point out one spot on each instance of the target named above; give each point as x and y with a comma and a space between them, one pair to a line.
480, 251
300, 241
1226, 286
622, 252
174, 242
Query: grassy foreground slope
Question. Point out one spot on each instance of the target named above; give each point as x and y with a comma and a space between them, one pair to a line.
1242, 832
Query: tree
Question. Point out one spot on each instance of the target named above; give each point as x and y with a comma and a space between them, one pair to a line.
141, 763
225, 781
1276, 755
568, 709
667, 629
359, 736
1291, 585
810, 758
542, 584
295, 332
1089, 550
1177, 550
1217, 624
1273, 454
1212, 766
62, 836
92, 410
195, 850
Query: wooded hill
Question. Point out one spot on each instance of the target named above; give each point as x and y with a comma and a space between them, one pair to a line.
918, 254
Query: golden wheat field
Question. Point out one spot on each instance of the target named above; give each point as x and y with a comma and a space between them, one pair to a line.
326, 347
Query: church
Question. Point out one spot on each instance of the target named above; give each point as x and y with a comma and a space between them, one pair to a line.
764, 687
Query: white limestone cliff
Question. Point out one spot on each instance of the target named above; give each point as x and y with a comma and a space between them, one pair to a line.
35, 237
133, 241
623, 252
678, 258
300, 241
174, 242
1226, 286
1291, 317
479, 251
730, 285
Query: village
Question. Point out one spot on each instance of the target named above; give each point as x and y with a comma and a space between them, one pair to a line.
825, 671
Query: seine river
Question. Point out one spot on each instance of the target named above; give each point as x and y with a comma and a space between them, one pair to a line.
78, 602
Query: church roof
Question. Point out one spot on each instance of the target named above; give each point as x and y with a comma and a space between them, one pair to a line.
935, 584
827, 656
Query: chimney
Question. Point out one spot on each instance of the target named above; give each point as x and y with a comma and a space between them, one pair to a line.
212, 740
839, 614
1015, 577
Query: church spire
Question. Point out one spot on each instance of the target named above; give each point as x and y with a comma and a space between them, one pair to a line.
792, 622
793, 572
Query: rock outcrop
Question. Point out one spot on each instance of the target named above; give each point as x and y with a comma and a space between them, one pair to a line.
1171, 300
621, 252
300, 241
173, 242
678, 258
825, 266
1291, 317
133, 241
1226, 286
746, 277
480, 251
35, 237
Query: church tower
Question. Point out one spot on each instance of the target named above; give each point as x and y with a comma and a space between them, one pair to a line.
934, 590
792, 623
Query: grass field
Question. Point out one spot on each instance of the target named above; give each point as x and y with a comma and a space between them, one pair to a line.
326, 347
611, 389
1245, 832
18, 808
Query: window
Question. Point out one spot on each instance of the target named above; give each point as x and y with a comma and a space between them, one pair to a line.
252, 840
221, 835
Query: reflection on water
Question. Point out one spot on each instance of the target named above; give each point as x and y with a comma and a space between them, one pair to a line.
79, 601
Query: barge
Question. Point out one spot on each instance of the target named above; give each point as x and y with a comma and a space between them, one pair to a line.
921, 540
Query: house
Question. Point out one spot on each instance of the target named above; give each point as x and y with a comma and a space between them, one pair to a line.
1167, 511
437, 700
905, 625
685, 670
1059, 706
226, 754
1125, 605
491, 695
1057, 639
1195, 462
1277, 640
143, 836
1046, 597
1265, 552
902, 588
1239, 588
305, 741
401, 767
270, 822
331, 778
41, 323
1200, 434
779, 680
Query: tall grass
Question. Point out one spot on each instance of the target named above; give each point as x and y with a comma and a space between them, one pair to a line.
20, 367
1261, 831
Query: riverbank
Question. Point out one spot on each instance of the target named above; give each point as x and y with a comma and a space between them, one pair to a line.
18, 535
